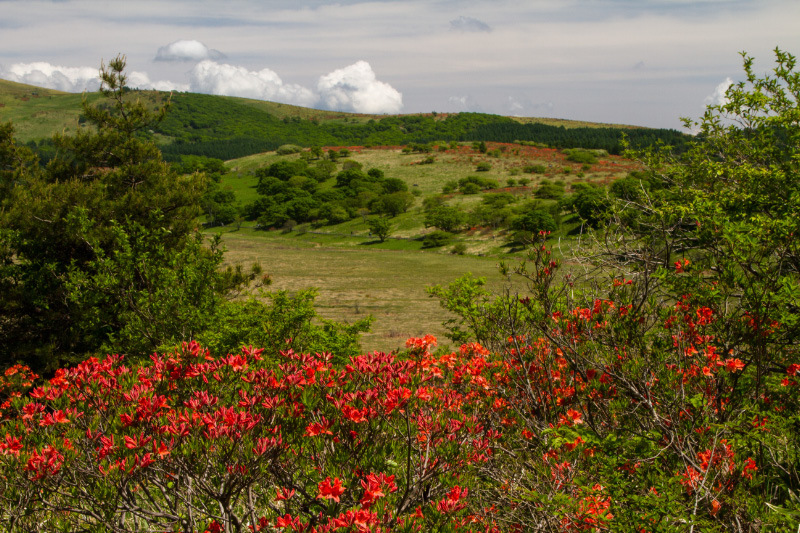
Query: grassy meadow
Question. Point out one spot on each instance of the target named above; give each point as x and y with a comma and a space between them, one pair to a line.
355, 279
356, 275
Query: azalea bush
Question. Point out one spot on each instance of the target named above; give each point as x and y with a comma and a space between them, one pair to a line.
193, 442
631, 415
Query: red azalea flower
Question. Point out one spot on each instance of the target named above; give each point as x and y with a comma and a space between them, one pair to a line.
330, 491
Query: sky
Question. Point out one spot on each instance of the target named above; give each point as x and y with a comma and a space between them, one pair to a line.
640, 62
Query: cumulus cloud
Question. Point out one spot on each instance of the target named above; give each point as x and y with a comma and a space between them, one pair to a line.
469, 24
718, 96
140, 80
219, 78
355, 88
187, 50
42, 74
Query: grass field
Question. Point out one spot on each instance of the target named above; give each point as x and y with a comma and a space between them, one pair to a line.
355, 280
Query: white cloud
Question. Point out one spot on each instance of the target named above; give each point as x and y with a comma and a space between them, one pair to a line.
718, 96
223, 79
187, 50
42, 74
141, 80
355, 88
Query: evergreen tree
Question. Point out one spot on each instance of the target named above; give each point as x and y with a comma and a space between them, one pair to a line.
83, 239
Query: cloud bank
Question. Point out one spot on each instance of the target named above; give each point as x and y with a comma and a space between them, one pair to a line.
187, 50
222, 79
77, 79
355, 88
42, 74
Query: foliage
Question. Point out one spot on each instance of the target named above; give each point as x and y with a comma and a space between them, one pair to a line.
581, 156
436, 239
107, 192
380, 227
550, 191
446, 218
591, 204
532, 223
535, 169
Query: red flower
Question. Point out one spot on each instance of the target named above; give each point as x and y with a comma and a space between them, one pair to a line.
452, 502
734, 365
319, 428
749, 468
284, 494
330, 491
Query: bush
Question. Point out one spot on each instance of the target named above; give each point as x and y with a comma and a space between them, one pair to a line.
628, 188
534, 169
531, 223
470, 188
483, 166
549, 191
287, 149
446, 218
449, 187
581, 156
591, 205
459, 249
436, 239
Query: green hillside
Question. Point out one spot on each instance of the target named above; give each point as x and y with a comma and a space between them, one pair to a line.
226, 127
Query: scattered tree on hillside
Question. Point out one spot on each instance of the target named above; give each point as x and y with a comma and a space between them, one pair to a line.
380, 227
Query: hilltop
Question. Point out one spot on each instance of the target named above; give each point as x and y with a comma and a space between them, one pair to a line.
226, 127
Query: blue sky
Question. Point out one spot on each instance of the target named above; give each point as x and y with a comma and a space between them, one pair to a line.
644, 62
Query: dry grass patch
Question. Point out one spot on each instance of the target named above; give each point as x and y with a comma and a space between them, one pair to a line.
357, 281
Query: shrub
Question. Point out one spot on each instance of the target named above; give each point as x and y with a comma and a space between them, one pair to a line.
446, 218
436, 239
459, 249
531, 223
483, 166
578, 155
534, 169
287, 149
470, 188
549, 191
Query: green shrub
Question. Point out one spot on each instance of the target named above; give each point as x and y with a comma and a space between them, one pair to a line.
459, 249
578, 155
436, 239
534, 169
470, 188
549, 191
287, 149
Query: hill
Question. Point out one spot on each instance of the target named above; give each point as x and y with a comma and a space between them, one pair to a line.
227, 127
